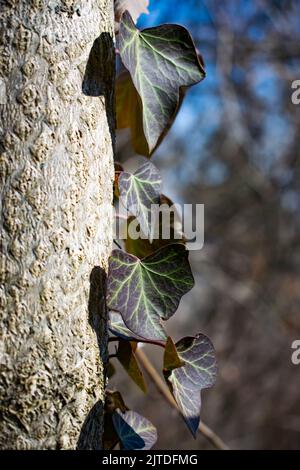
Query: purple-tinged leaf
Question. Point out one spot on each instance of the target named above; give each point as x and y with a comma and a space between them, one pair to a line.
128, 360
135, 431
129, 113
139, 191
148, 291
118, 328
198, 372
160, 60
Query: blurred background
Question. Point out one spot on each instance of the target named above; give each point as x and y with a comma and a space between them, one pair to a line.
235, 148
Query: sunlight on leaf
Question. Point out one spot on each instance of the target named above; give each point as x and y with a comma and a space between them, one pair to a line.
135, 431
139, 191
198, 372
149, 290
129, 113
160, 60
118, 328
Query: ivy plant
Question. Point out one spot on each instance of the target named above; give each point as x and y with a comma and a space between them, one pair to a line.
148, 277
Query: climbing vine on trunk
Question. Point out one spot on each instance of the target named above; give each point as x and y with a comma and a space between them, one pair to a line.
147, 279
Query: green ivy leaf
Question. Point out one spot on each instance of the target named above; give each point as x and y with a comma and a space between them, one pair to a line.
129, 113
142, 247
149, 290
198, 372
118, 328
171, 358
139, 191
128, 360
160, 60
135, 431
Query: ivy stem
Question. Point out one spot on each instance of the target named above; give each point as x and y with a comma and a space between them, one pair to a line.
156, 343
140, 340
210, 435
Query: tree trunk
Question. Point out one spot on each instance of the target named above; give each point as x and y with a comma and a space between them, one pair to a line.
57, 126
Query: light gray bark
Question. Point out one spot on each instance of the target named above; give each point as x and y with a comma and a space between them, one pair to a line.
56, 157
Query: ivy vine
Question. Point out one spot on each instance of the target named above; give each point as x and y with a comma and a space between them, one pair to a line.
147, 279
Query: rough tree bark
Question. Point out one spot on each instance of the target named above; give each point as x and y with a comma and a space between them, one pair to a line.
57, 125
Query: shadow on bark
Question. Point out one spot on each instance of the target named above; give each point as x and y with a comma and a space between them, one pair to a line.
99, 76
90, 434
97, 309
99, 80
89, 438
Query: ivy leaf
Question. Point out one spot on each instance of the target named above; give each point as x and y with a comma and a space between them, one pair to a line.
171, 358
129, 113
128, 360
118, 328
135, 7
160, 60
149, 290
142, 247
199, 371
135, 431
139, 191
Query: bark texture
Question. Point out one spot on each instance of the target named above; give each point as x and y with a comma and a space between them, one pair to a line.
56, 154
